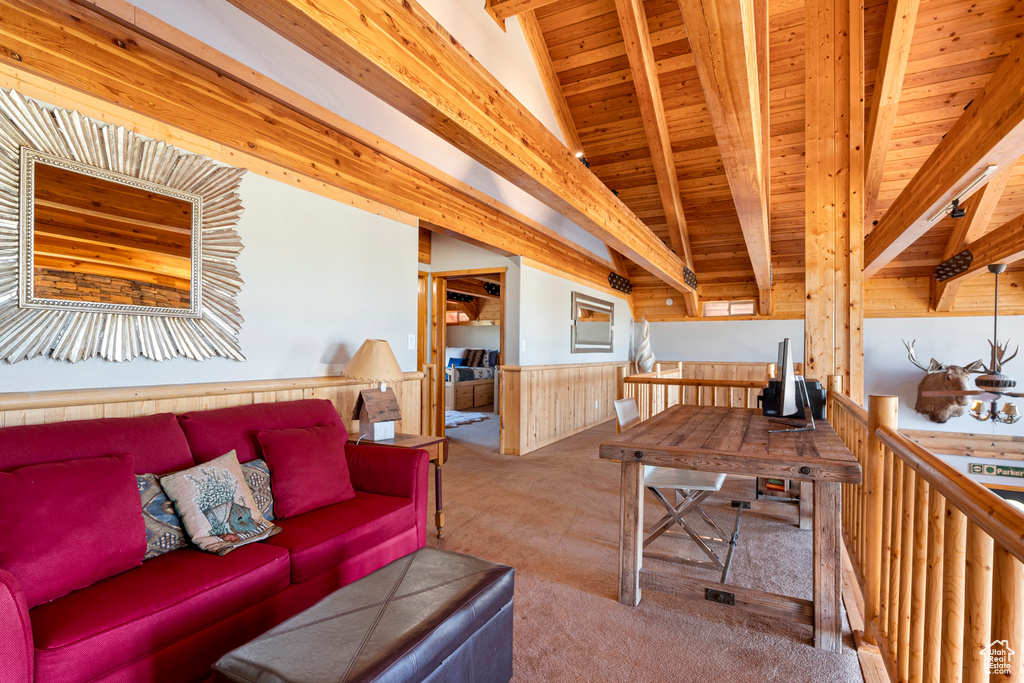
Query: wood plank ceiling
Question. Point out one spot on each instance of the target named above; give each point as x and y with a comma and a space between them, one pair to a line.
956, 48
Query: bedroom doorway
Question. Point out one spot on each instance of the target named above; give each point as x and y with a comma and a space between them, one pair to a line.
467, 349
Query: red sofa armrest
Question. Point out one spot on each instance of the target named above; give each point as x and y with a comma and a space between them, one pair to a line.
392, 471
16, 651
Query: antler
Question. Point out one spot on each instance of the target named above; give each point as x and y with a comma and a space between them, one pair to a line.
911, 355
1000, 351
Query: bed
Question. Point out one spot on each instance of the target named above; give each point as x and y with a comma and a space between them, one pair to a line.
468, 387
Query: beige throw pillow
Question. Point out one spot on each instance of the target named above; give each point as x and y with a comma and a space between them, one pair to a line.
216, 506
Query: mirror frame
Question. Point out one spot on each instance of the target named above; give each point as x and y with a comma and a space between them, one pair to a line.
117, 332
594, 304
26, 256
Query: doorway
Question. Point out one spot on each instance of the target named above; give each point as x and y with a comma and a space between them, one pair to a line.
467, 348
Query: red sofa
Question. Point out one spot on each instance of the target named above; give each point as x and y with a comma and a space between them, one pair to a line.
171, 617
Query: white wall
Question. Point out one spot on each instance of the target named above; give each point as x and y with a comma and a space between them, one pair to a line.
546, 318
737, 341
319, 278
231, 31
475, 336
957, 341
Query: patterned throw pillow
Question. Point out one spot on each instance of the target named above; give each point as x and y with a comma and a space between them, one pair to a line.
257, 476
164, 532
216, 505
475, 357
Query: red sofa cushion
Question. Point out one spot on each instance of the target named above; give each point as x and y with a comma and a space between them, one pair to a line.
66, 525
155, 441
321, 539
212, 433
308, 469
95, 630
16, 656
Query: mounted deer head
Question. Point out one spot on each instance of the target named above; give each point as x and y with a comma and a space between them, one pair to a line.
941, 377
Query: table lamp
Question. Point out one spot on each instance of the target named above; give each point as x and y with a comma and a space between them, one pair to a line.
377, 409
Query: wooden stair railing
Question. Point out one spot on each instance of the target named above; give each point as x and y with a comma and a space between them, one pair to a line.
938, 555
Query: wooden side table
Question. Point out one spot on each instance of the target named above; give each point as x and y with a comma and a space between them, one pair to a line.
436, 446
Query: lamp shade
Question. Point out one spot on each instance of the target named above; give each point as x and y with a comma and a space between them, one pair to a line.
374, 362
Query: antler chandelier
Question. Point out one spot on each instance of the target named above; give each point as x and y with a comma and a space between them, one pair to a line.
994, 383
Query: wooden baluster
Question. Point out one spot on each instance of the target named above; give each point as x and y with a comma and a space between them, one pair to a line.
933, 589
620, 384
894, 552
977, 604
954, 555
906, 565
1008, 615
882, 410
917, 580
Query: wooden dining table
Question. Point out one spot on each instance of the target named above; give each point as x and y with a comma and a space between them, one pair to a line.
738, 441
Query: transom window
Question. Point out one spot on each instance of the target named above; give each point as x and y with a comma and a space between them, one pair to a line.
717, 309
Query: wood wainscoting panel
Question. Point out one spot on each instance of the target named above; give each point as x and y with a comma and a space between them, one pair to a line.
43, 407
544, 403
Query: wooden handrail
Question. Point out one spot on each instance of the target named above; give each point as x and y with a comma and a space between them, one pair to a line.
1003, 522
678, 382
34, 400
852, 407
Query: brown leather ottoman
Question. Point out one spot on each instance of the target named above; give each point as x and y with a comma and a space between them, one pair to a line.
433, 615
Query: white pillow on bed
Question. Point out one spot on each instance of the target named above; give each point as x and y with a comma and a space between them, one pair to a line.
454, 352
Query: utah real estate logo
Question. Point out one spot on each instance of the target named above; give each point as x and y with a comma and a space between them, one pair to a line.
998, 653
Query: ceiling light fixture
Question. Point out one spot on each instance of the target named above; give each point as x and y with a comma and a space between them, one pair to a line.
953, 203
956, 211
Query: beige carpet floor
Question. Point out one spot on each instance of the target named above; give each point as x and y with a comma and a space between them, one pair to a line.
554, 515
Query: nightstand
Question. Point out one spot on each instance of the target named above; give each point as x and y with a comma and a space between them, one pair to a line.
436, 446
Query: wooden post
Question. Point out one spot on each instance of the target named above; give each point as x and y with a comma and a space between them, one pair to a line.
933, 589
620, 383
834, 162
953, 557
631, 533
977, 604
1008, 612
882, 410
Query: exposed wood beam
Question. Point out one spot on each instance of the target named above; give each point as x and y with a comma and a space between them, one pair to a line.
644, 69
503, 9
620, 263
1005, 244
470, 288
434, 227
766, 302
58, 261
900, 17
249, 118
398, 52
633, 21
978, 212
990, 132
549, 78
723, 36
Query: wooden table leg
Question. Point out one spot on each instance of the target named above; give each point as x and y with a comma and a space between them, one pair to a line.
806, 489
438, 505
631, 532
828, 566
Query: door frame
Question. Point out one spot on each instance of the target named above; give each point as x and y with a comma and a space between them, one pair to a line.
439, 338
